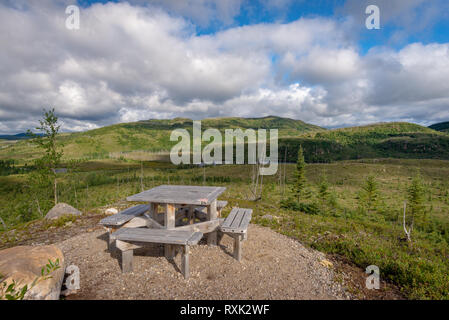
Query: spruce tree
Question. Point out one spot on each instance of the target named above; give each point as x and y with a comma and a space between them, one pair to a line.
370, 192
416, 200
300, 173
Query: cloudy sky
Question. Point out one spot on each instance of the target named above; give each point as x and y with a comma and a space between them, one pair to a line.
309, 60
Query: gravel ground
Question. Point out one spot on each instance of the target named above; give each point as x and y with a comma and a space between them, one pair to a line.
273, 267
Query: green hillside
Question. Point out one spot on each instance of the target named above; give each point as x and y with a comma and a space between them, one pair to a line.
138, 140
149, 135
382, 140
442, 126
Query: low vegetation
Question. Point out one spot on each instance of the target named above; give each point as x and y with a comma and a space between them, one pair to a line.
349, 208
352, 208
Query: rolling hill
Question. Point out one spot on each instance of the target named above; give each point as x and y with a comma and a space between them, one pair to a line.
381, 140
442, 126
148, 135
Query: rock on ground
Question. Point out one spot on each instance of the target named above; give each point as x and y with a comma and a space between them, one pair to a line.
24, 263
110, 211
60, 210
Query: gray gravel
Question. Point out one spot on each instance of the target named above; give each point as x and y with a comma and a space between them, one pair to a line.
273, 267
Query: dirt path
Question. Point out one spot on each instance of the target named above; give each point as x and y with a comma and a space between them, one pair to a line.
273, 267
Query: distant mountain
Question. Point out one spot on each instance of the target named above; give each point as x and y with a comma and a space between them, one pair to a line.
19, 136
442, 126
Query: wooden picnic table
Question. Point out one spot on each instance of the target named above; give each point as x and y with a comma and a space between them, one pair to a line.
170, 196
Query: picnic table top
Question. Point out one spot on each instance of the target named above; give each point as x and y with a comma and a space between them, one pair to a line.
174, 194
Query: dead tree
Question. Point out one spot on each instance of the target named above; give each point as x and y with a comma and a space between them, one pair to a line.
3, 223
256, 187
408, 232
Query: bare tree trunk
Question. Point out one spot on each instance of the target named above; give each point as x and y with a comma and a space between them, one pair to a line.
3, 223
39, 207
409, 231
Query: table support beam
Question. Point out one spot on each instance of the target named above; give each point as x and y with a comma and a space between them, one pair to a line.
212, 215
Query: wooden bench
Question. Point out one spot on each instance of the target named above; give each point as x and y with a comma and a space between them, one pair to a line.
127, 240
117, 220
236, 225
202, 216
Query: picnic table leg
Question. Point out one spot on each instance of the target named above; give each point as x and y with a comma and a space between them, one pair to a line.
111, 240
191, 215
185, 262
127, 255
153, 211
170, 251
219, 237
169, 223
127, 261
238, 247
212, 215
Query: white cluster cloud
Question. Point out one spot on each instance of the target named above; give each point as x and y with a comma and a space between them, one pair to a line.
135, 61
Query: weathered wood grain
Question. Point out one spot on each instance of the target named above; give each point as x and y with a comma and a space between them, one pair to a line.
143, 235
173, 194
237, 221
125, 215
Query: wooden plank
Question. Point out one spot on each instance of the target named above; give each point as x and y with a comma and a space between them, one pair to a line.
203, 227
136, 222
195, 238
212, 210
154, 210
237, 221
211, 216
169, 222
125, 215
230, 218
127, 261
191, 215
125, 246
181, 237
169, 251
154, 224
237, 248
246, 219
185, 268
186, 195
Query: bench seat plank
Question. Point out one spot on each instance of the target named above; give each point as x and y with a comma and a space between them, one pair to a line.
237, 221
158, 236
124, 216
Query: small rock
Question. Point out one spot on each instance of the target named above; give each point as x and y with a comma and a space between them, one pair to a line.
268, 217
327, 263
111, 211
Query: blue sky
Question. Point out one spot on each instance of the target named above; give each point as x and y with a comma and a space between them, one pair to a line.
257, 11
308, 60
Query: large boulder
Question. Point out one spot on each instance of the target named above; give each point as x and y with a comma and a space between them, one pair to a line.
61, 209
24, 264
